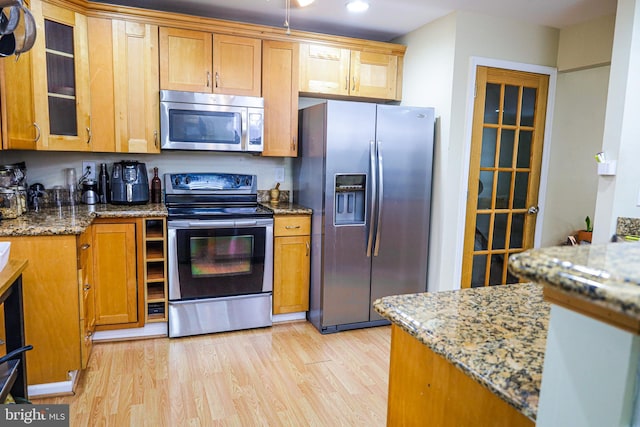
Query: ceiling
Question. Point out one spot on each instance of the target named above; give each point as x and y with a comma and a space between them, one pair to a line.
385, 19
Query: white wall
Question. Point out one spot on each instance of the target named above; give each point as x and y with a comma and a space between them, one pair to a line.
46, 167
445, 48
584, 55
578, 126
618, 195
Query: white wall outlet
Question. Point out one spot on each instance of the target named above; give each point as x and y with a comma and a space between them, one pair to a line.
92, 170
279, 175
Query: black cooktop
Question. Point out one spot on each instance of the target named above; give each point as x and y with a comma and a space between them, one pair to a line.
219, 212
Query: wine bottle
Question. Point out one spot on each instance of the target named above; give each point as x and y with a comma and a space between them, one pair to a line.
156, 188
104, 192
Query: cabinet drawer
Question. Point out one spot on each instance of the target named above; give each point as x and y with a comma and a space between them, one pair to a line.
291, 225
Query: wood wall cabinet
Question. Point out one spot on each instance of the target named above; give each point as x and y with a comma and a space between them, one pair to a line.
51, 305
155, 269
45, 93
291, 263
197, 61
280, 64
118, 298
19, 128
86, 294
339, 71
124, 86
60, 65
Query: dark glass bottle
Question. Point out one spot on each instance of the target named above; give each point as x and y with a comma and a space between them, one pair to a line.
104, 191
156, 188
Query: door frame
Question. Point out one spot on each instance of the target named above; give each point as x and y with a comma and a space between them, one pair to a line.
474, 63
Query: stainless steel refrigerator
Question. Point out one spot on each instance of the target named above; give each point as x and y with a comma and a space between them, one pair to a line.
365, 170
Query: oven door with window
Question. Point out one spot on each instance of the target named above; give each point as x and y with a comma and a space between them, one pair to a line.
223, 258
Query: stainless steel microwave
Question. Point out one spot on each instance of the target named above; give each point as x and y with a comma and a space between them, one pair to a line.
205, 121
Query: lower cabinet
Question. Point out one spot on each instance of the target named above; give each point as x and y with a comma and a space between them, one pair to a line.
51, 305
291, 263
119, 300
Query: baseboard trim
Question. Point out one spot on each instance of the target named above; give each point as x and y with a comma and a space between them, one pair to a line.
277, 318
62, 388
150, 330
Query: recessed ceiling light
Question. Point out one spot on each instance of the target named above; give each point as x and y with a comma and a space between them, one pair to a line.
304, 3
357, 6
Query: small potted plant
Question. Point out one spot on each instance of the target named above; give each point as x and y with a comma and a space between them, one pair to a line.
585, 235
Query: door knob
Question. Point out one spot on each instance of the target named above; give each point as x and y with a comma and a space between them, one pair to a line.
533, 210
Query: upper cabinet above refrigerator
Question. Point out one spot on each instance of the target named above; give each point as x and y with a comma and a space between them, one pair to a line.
333, 70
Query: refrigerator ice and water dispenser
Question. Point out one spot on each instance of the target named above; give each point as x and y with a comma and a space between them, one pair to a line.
350, 199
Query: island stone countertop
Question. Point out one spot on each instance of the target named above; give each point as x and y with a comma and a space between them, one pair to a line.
604, 279
496, 335
73, 219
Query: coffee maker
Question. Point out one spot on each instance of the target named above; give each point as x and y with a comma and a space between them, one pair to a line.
89, 192
129, 183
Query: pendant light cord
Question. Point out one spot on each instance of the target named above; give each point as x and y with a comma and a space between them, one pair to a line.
287, 5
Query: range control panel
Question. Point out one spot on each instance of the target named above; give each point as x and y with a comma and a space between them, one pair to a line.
180, 183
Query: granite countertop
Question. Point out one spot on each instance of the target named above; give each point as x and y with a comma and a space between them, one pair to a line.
73, 219
286, 208
604, 275
496, 335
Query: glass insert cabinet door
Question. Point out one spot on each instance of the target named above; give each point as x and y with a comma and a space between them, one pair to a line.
61, 79
504, 172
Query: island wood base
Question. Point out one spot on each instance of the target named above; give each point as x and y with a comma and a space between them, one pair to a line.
426, 389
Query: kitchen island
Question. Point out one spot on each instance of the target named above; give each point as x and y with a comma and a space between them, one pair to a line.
468, 357
591, 375
563, 350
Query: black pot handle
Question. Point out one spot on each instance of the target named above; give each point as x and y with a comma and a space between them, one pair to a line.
15, 352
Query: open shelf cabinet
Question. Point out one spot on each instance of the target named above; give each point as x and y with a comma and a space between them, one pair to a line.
155, 269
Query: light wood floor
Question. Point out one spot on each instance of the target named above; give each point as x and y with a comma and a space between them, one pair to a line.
286, 375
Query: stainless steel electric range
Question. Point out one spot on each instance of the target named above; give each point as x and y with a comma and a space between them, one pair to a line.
220, 250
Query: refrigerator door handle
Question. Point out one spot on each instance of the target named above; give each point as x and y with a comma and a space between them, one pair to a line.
374, 191
380, 199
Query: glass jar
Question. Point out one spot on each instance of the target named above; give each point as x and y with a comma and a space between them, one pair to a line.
13, 174
22, 199
9, 204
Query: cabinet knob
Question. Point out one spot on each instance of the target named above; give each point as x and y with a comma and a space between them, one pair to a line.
155, 138
85, 246
308, 248
86, 287
291, 227
208, 79
217, 79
